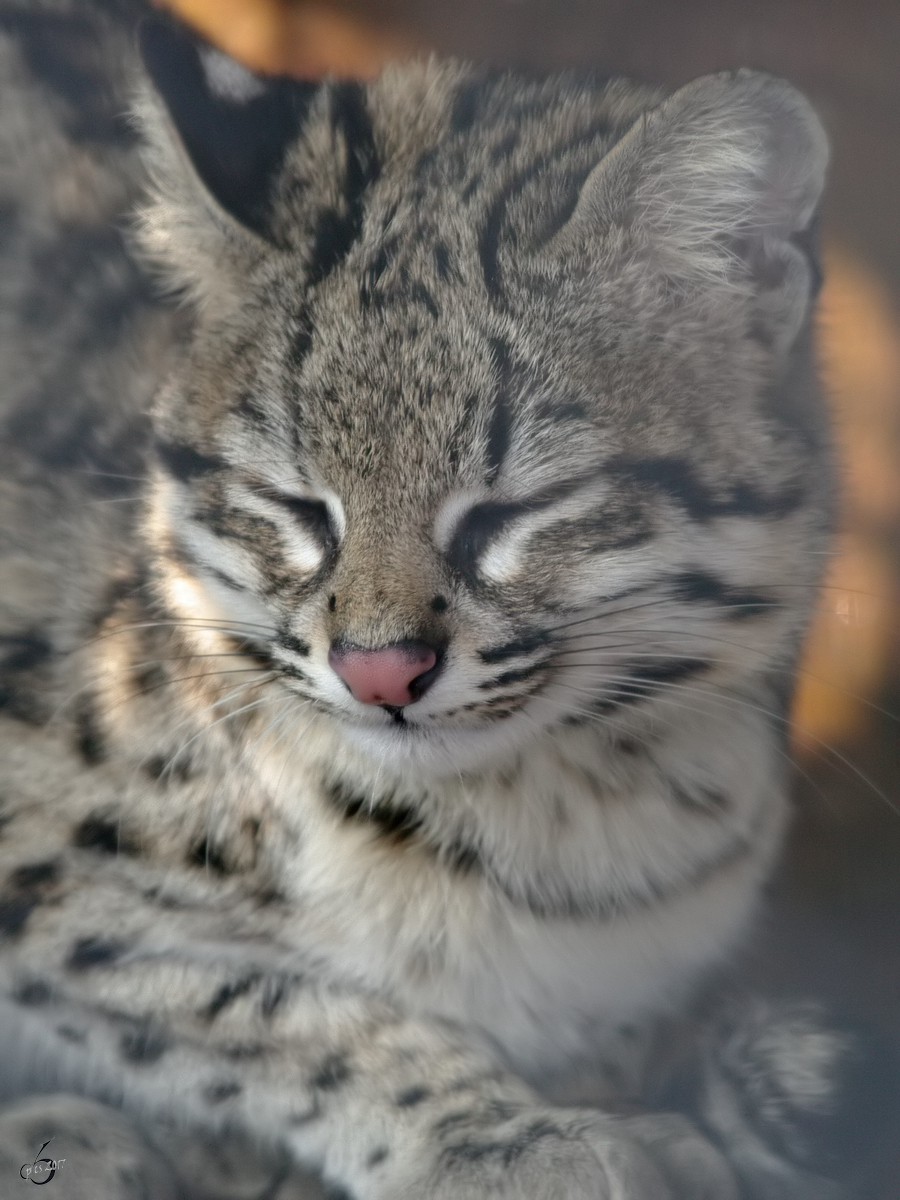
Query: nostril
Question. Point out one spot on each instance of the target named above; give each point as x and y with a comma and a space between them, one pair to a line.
394, 675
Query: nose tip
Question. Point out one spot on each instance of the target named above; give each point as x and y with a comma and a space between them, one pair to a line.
394, 675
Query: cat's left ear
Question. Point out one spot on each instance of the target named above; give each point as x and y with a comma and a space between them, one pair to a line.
717, 188
216, 146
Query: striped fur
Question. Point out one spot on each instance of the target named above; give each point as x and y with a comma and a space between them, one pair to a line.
518, 369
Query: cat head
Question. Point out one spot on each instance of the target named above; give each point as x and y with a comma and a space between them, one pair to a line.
498, 411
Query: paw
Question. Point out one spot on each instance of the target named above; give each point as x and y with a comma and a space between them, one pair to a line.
98, 1154
546, 1154
797, 1099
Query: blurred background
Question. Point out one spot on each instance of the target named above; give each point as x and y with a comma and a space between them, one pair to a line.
834, 925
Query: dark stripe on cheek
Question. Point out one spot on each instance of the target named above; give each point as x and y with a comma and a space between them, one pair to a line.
644, 680
704, 588
675, 478
184, 463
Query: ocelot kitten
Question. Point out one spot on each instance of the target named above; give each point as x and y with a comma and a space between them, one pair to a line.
398, 630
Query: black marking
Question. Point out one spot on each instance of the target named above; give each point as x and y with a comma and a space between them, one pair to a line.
412, 1096
332, 602
24, 651
699, 586
94, 952
397, 822
33, 993
274, 993
294, 644
217, 1093
331, 1073
237, 147
500, 431
442, 261
89, 741
242, 1051
143, 1044
205, 854
33, 876
698, 799
512, 676
675, 478
227, 994
184, 463
69, 1034
14, 913
377, 1157
505, 1151
520, 646
103, 833
338, 229
66, 54
439, 604
420, 294
645, 679
489, 240
466, 104
368, 293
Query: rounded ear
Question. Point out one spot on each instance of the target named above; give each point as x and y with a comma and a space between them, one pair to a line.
719, 184
217, 137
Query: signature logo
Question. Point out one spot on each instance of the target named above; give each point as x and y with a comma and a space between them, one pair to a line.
42, 1170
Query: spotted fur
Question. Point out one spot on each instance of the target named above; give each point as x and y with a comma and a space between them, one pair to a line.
515, 369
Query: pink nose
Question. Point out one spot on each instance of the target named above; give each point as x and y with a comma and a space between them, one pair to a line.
388, 676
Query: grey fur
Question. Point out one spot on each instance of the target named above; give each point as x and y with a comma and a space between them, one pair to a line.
517, 369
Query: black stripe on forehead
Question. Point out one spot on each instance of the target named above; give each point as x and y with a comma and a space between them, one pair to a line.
338, 228
500, 428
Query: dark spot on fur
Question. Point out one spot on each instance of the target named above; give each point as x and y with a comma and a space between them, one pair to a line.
440, 604
33, 993
205, 854
24, 652
143, 1044
442, 260
412, 1096
69, 1034
294, 644
216, 1093
377, 1156
184, 463
89, 738
274, 993
35, 875
227, 994
331, 1073
103, 833
332, 602
94, 952
241, 1051
506, 1151
397, 822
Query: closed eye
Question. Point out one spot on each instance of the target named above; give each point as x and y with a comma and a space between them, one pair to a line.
477, 529
313, 515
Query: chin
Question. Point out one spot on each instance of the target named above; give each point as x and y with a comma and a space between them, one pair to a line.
440, 750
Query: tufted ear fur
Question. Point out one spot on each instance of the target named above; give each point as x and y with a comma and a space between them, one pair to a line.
718, 186
217, 137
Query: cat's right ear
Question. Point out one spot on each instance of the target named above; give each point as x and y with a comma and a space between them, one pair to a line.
217, 136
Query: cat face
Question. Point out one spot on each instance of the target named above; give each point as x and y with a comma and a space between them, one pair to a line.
498, 412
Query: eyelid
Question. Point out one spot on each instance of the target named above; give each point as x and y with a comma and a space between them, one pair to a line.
312, 511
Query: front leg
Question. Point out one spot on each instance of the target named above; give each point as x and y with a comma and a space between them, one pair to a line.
218, 1036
